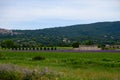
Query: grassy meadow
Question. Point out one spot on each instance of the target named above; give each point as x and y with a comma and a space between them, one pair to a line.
69, 65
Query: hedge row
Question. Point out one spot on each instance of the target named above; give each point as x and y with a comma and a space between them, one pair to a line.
41, 48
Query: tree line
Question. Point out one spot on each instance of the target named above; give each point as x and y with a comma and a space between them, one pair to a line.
10, 44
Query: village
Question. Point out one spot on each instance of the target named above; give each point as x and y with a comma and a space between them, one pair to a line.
95, 47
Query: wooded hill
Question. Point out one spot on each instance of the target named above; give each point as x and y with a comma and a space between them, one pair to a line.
100, 32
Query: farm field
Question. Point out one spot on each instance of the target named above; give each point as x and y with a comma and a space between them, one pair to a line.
70, 65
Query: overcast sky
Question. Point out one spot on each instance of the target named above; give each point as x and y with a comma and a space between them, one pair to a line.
39, 14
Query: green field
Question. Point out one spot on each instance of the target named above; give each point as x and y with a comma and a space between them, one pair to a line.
70, 65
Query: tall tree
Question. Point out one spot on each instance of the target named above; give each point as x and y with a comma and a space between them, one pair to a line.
75, 45
7, 44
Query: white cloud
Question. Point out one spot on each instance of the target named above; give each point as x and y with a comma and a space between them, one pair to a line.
30, 10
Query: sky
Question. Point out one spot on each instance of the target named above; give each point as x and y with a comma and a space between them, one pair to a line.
40, 14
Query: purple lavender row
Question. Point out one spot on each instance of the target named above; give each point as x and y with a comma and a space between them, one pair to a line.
64, 50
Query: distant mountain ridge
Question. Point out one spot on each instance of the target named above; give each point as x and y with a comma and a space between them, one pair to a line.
98, 32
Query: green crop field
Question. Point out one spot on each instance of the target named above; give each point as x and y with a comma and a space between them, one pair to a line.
70, 65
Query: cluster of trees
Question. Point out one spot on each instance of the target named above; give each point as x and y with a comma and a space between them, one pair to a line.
35, 48
10, 44
87, 42
32, 45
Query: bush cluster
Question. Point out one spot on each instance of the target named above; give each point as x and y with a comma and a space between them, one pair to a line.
2, 56
34, 48
38, 58
14, 72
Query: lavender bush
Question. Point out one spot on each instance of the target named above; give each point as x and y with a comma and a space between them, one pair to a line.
14, 72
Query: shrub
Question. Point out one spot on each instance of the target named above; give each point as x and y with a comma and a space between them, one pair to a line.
37, 48
33, 48
51, 48
1, 55
106, 59
55, 48
48, 48
44, 48
40, 48
75, 45
14, 72
38, 58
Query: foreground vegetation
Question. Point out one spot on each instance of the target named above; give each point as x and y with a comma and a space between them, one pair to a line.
61, 65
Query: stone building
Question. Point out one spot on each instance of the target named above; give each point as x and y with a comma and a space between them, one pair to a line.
113, 46
87, 47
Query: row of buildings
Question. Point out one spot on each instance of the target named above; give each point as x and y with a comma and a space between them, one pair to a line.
94, 47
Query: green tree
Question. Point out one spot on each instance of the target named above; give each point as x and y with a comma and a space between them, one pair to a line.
102, 46
7, 44
75, 45
88, 42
